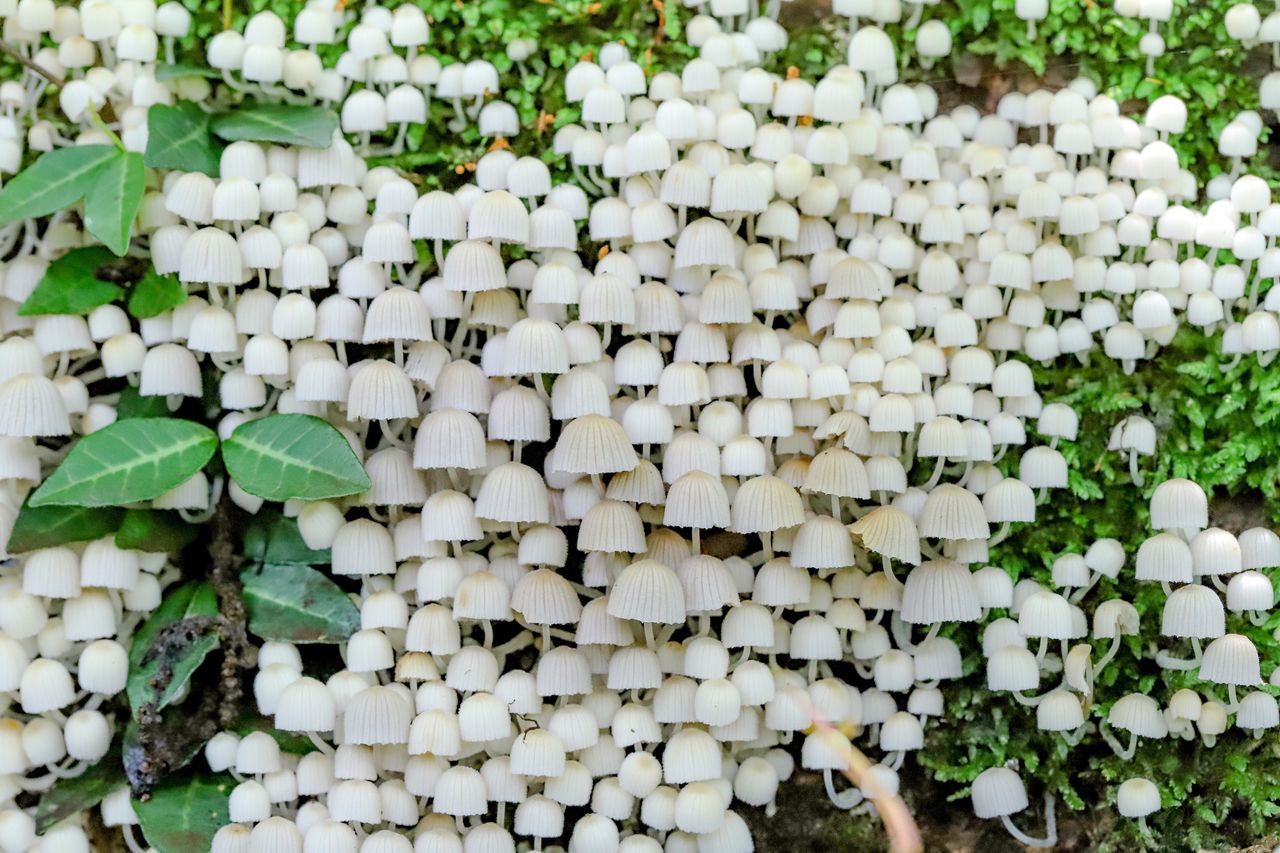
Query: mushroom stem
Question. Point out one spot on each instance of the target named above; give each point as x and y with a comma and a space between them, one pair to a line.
1104, 729
1051, 827
1111, 653
846, 799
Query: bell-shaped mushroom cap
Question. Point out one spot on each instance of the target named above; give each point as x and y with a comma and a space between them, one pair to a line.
1258, 711
594, 444
31, 406
381, 391
1012, 668
952, 512
1106, 557
837, 472
1193, 611
1231, 659
515, 494
377, 715
1115, 617
1009, 500
1259, 548
822, 543
1046, 614
940, 591
697, 499
889, 532
647, 591
1181, 504
765, 504
708, 584
1164, 557
612, 526
998, 792
1059, 711
690, 755
1139, 715
1137, 797
543, 597
306, 705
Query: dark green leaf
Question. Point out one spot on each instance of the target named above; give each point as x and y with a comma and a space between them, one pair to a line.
282, 123
131, 404
180, 654
178, 137
182, 741
129, 461
180, 69
113, 200
297, 604
55, 181
71, 286
282, 457
75, 794
272, 538
155, 530
45, 527
183, 816
289, 742
156, 294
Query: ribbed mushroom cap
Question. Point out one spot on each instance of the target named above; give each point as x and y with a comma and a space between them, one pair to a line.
1009, 500
648, 591
690, 755
765, 504
1258, 711
1138, 714
594, 444
890, 532
998, 792
515, 494
1047, 614
1231, 659
377, 715
543, 597
1259, 548
305, 706
1179, 503
697, 499
952, 512
1059, 711
1115, 617
1214, 551
473, 266
612, 526
1013, 668
822, 543
1193, 611
708, 585
381, 390
1164, 557
940, 591
839, 472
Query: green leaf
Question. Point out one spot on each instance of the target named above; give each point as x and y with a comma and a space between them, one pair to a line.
155, 530
113, 200
183, 816
181, 656
131, 404
55, 181
45, 527
288, 741
182, 69
129, 461
312, 127
178, 137
282, 457
272, 538
71, 795
297, 604
156, 294
71, 285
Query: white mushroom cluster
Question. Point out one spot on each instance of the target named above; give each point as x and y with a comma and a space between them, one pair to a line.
688, 441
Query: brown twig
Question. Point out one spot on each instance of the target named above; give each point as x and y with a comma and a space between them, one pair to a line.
7, 48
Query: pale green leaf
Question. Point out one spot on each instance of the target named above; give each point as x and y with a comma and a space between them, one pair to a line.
282, 457
178, 137
183, 816
71, 285
55, 181
281, 123
113, 200
297, 604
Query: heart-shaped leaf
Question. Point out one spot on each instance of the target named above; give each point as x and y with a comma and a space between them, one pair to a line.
297, 604
71, 285
55, 181
113, 200
156, 294
312, 127
129, 461
181, 650
282, 457
47, 526
184, 815
178, 137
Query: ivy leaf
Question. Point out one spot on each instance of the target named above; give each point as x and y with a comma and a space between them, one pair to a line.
285, 124
71, 285
282, 457
297, 604
178, 137
77, 793
154, 530
45, 527
183, 69
129, 461
272, 538
113, 200
131, 404
181, 655
185, 815
55, 181
156, 294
